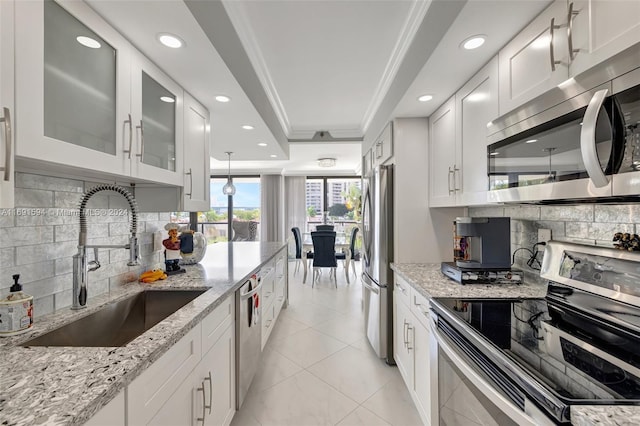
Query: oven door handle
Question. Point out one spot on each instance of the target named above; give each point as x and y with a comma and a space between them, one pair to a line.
513, 412
588, 140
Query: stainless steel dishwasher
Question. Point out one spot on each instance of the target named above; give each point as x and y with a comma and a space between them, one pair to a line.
248, 334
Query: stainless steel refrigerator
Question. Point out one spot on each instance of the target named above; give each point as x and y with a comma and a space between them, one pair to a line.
377, 277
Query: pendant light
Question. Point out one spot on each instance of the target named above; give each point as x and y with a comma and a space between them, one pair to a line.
228, 188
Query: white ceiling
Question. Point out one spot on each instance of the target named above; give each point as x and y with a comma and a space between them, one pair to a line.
331, 65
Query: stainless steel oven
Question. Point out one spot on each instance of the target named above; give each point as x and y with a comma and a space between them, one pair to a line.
528, 361
585, 147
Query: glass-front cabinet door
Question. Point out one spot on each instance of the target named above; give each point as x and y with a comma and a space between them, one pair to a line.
72, 87
158, 122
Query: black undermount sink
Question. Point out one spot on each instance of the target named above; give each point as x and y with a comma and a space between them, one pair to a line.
118, 323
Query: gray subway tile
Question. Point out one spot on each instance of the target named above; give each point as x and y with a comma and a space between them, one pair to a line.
31, 181
24, 236
7, 218
49, 286
67, 200
596, 231
628, 213
119, 228
63, 265
522, 212
28, 273
44, 252
489, 211
7, 257
582, 213
33, 198
62, 299
42, 306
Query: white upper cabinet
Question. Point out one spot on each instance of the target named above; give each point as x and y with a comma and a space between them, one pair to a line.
600, 29
197, 135
442, 155
6, 104
382, 149
156, 102
87, 99
536, 60
476, 105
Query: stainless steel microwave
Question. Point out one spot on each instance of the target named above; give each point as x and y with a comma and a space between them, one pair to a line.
584, 148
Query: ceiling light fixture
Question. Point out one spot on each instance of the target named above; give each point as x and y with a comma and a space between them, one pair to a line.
473, 42
228, 188
167, 99
222, 98
425, 98
247, 127
88, 42
170, 40
494, 153
532, 141
326, 162
262, 144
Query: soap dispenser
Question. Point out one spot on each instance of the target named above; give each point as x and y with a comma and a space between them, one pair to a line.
16, 310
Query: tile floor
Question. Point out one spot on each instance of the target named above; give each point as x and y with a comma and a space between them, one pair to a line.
318, 368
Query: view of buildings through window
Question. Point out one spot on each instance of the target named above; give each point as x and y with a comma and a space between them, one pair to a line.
333, 200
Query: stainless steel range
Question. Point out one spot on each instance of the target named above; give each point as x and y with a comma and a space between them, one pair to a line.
528, 361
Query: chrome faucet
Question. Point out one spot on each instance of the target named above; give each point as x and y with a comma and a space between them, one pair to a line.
80, 266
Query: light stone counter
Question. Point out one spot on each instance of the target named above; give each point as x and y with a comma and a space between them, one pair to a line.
427, 279
67, 385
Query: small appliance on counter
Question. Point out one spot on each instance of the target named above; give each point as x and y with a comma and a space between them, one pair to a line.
16, 311
481, 276
481, 252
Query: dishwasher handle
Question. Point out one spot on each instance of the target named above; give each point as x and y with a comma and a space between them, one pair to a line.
250, 292
368, 286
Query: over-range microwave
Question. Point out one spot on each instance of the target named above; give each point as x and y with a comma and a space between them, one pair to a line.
584, 148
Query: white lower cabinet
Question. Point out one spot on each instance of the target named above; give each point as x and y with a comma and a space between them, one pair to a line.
112, 414
412, 351
194, 382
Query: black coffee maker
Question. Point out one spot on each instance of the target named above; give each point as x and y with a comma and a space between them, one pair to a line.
483, 242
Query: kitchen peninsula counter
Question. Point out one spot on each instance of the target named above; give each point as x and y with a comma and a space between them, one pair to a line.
428, 280
68, 385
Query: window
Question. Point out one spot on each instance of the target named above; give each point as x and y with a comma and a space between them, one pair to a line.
333, 200
244, 205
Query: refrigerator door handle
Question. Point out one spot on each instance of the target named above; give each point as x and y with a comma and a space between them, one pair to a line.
366, 236
369, 286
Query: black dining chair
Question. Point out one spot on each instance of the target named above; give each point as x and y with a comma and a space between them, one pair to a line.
297, 236
321, 228
324, 254
343, 255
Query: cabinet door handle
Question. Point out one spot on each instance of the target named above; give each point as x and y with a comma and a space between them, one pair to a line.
409, 328
451, 191
455, 181
6, 119
378, 150
141, 127
400, 288
570, 15
190, 174
130, 123
210, 391
404, 332
268, 324
204, 406
552, 57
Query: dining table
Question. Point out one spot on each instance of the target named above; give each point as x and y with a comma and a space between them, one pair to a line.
342, 244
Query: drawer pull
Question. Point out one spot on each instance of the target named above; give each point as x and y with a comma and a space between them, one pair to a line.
204, 406
210, 391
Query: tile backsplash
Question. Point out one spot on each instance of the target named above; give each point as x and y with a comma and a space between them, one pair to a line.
39, 237
592, 224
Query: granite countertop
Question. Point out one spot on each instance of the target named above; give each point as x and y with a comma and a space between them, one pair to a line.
68, 385
431, 282
427, 279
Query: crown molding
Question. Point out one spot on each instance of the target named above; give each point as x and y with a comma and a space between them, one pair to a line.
239, 19
409, 30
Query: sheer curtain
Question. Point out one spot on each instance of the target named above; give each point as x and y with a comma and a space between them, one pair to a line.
272, 208
296, 206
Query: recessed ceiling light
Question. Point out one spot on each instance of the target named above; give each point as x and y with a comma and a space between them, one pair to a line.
88, 42
222, 98
425, 98
532, 141
247, 127
273, 156
262, 144
167, 99
474, 42
170, 40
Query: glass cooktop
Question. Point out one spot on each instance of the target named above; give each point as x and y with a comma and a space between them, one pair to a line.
576, 355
